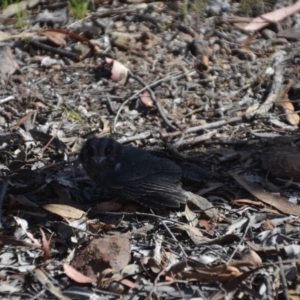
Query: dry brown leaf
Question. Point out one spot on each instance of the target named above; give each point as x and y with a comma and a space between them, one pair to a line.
268, 225
293, 295
209, 226
77, 276
58, 38
23, 120
149, 262
95, 227
42, 276
113, 251
75, 36
249, 258
194, 233
247, 202
46, 246
240, 22
292, 118
64, 211
191, 216
202, 203
280, 203
222, 272
283, 102
218, 273
178, 268
205, 63
249, 39
225, 239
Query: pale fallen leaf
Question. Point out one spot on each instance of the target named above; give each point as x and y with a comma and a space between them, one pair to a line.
272, 17
7, 62
41, 275
149, 262
146, 99
77, 276
4, 36
191, 216
7, 36
194, 233
21, 226
15, 8
8, 288
280, 203
201, 202
23, 119
64, 211
33, 239
119, 72
58, 38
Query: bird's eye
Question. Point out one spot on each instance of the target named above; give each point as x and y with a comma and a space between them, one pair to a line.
108, 150
89, 150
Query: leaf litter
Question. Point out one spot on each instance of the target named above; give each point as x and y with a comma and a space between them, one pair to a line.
169, 76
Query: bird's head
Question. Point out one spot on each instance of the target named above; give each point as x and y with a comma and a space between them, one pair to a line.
100, 152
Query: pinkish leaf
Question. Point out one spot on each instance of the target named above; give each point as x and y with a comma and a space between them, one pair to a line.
274, 16
76, 276
119, 72
146, 99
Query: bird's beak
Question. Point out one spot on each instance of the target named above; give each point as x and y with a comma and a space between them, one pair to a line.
98, 159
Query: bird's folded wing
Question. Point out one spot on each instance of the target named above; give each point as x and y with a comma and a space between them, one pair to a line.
151, 191
134, 170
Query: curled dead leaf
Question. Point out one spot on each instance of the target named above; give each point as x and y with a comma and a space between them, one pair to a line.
146, 99
119, 72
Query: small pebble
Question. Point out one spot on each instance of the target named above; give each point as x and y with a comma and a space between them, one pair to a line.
268, 34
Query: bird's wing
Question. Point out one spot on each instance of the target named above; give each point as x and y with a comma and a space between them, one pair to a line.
152, 186
152, 191
147, 179
136, 166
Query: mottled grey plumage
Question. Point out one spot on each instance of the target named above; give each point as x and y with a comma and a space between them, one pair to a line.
133, 173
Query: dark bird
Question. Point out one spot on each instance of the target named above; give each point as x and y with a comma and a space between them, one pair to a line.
133, 173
